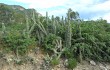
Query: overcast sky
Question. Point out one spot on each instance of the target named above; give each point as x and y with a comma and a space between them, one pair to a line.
88, 9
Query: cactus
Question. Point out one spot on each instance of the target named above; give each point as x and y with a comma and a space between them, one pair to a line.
27, 27
41, 30
53, 25
69, 32
38, 23
62, 21
47, 22
58, 49
80, 37
3, 29
32, 28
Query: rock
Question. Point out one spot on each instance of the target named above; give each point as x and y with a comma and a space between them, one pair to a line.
10, 69
9, 59
66, 62
1, 55
102, 67
85, 69
108, 67
92, 63
58, 66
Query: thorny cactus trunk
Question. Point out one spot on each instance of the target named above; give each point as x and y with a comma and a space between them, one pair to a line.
80, 37
33, 26
62, 21
27, 27
69, 32
47, 22
80, 50
3, 29
53, 25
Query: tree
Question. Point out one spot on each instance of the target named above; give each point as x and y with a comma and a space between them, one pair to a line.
73, 14
57, 18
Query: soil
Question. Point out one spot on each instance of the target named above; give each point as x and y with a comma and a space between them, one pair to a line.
35, 61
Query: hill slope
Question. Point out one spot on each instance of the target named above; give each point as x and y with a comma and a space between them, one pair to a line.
14, 13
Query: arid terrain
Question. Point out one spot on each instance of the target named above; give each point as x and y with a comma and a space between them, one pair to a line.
36, 61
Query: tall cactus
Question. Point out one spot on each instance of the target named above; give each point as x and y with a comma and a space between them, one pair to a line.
3, 29
33, 18
80, 36
47, 21
53, 25
69, 32
27, 27
40, 29
62, 21
38, 23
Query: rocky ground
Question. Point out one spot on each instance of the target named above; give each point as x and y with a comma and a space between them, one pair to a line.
35, 61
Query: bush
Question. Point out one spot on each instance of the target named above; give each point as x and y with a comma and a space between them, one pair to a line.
17, 42
49, 42
54, 61
72, 63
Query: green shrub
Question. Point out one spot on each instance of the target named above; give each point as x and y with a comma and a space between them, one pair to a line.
49, 42
72, 63
17, 42
54, 61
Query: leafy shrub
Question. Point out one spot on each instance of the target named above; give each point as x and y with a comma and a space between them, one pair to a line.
54, 61
49, 42
72, 63
68, 53
17, 42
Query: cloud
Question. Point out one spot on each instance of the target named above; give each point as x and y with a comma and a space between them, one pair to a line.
105, 16
43, 3
88, 9
101, 10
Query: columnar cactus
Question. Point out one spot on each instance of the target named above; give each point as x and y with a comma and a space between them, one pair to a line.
38, 23
62, 20
27, 27
69, 32
47, 21
3, 28
80, 36
53, 25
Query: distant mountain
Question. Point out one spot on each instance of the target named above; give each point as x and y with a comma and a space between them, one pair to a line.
14, 13
17, 7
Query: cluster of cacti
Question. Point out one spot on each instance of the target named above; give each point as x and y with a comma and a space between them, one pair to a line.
64, 37
53, 26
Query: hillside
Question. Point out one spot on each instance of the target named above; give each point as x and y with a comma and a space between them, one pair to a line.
14, 13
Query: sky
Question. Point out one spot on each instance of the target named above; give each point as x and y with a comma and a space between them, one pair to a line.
87, 9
